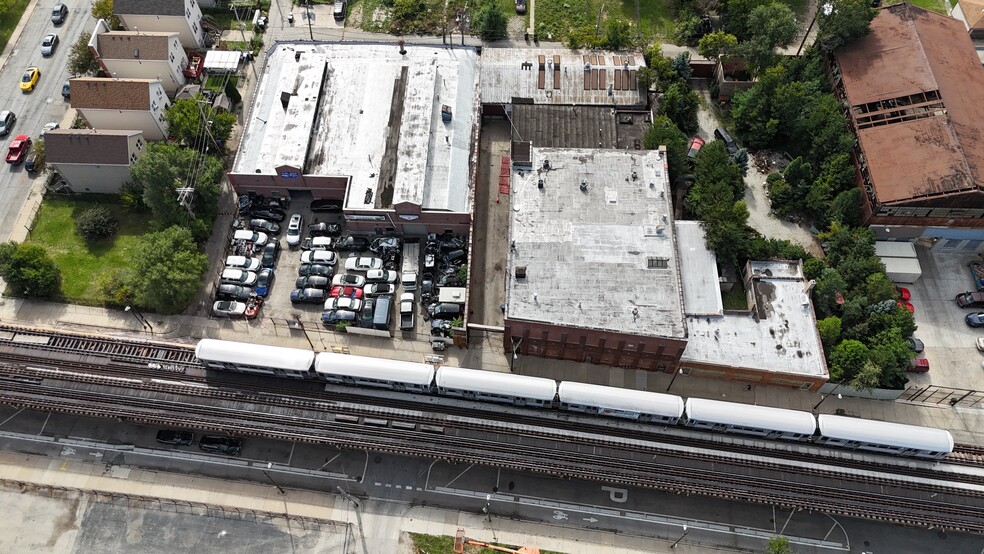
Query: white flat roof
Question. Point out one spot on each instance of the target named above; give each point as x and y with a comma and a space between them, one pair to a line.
374, 368
615, 398
222, 60
515, 72
698, 271
260, 355
889, 249
746, 415
489, 382
601, 258
883, 432
781, 338
347, 114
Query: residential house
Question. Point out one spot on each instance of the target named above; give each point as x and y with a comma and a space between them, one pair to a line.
140, 55
971, 12
92, 160
911, 92
181, 16
122, 104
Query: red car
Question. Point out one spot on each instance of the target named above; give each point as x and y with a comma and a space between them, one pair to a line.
907, 306
19, 147
903, 293
695, 145
350, 292
918, 365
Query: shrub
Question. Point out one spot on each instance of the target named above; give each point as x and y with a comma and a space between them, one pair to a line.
96, 223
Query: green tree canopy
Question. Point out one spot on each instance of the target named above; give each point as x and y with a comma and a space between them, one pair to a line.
167, 270
103, 9
186, 122
28, 270
830, 331
829, 285
844, 22
618, 34
848, 358
81, 60
717, 45
664, 132
680, 104
778, 545
489, 21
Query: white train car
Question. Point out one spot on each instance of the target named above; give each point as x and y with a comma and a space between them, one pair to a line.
619, 402
374, 372
760, 421
507, 388
885, 437
260, 359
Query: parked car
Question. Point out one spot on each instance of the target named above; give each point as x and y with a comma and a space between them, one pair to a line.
348, 280
367, 313
308, 296
228, 308
312, 282
520, 7
7, 120
339, 10
975, 319
326, 205
693, 149
242, 262
267, 227
980, 343
343, 303
325, 257
31, 162
18, 149
324, 229
376, 289
176, 438
48, 44
221, 444
294, 230
257, 238
903, 293
317, 243
50, 126
363, 264
918, 365
229, 291
333, 317
352, 292
264, 280
315, 269
59, 13
723, 135
271, 214
269, 257
30, 79
915, 344
352, 244
381, 276
238, 277
67, 90
970, 299
906, 306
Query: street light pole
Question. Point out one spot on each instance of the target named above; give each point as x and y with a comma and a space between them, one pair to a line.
675, 373
825, 396
143, 321
674, 545
307, 6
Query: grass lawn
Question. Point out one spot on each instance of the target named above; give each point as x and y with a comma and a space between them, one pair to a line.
938, 6
10, 19
84, 263
735, 299
431, 544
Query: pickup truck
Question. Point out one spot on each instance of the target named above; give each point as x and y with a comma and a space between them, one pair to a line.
19, 147
406, 311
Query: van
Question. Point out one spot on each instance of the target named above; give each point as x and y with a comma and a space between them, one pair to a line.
339, 11
445, 310
724, 136
384, 309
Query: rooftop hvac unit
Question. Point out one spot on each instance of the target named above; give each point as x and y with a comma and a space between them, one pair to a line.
521, 272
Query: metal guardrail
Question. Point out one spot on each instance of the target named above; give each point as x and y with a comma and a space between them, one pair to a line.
931, 394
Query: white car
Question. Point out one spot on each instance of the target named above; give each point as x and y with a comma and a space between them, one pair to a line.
242, 262
228, 308
51, 126
324, 257
238, 277
318, 243
344, 303
294, 230
374, 289
348, 280
363, 264
256, 237
381, 276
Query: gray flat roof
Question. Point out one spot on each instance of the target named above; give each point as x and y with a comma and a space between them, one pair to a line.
781, 336
698, 271
347, 103
587, 254
585, 77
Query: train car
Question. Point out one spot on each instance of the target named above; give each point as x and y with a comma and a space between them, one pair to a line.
885, 437
506, 388
618, 402
760, 421
246, 357
374, 372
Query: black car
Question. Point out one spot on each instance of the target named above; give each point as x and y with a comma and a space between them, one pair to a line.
59, 13
31, 163
269, 213
270, 251
915, 344
332, 317
233, 292
324, 230
315, 269
326, 205
975, 319
352, 244
367, 313
308, 296
177, 438
312, 282
67, 90
221, 444
267, 227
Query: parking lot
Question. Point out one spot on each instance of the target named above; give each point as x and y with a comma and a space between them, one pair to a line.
950, 343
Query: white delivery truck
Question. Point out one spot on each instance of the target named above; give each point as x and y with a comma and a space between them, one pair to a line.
411, 265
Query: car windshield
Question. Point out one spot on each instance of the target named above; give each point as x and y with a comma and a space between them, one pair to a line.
27, 77
47, 40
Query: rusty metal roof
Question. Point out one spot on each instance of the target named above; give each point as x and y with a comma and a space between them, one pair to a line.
908, 52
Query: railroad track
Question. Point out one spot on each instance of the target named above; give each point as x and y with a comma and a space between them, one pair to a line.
598, 465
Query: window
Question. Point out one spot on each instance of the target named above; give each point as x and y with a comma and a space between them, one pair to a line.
172, 56
194, 27
153, 105
140, 144
133, 158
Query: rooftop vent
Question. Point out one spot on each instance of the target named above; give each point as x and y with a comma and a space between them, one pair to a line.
658, 263
136, 52
546, 164
539, 184
521, 272
635, 176
584, 186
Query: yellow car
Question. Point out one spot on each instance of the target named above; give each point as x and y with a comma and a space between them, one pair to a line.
30, 79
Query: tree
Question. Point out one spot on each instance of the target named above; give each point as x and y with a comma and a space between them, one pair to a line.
664, 132
778, 545
813, 267
847, 360
878, 288
846, 207
490, 21
741, 160
28, 270
681, 64
773, 25
717, 45
103, 9
799, 175
829, 285
40, 156
847, 21
618, 34
186, 122
781, 197
680, 104
734, 16
714, 165
81, 60
830, 331
96, 223
167, 270
646, 77
726, 234
663, 73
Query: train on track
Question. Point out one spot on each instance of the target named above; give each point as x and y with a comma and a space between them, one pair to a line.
537, 392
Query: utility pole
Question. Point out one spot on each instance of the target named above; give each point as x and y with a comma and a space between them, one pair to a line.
674, 545
825, 396
307, 6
